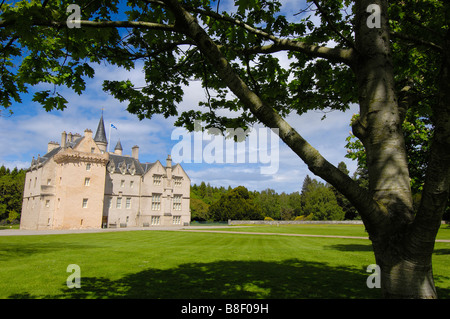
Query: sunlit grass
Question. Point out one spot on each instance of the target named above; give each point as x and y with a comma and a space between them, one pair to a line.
170, 264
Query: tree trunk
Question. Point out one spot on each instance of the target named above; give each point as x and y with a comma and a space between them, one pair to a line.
379, 126
403, 277
406, 270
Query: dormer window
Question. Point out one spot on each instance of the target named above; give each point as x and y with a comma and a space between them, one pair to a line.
111, 166
123, 167
132, 169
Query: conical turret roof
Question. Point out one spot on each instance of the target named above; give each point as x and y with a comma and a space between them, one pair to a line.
100, 135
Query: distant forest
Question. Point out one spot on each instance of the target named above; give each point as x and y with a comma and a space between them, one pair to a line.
313, 201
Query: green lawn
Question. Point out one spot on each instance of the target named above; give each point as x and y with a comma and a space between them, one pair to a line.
320, 229
169, 264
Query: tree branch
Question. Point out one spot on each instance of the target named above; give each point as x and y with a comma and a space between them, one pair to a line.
416, 40
336, 54
370, 210
100, 24
333, 54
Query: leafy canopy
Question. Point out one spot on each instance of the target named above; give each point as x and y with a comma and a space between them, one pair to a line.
38, 47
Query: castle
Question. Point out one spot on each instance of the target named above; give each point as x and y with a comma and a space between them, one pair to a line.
79, 184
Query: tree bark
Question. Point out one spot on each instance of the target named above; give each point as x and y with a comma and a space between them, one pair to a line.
380, 122
402, 278
403, 250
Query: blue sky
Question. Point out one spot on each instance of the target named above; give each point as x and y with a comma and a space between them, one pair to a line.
26, 133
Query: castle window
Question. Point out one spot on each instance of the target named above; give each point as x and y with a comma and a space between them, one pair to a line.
49, 181
87, 181
177, 181
177, 202
176, 220
156, 179
128, 203
88, 166
47, 203
119, 202
122, 183
85, 202
155, 220
131, 184
92, 149
156, 201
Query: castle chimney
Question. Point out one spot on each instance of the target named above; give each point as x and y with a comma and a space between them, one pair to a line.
87, 133
69, 137
169, 167
51, 146
63, 139
135, 152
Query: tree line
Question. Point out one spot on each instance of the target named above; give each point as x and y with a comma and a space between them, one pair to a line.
315, 201
11, 194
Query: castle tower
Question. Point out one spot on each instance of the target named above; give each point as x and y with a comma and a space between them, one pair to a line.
100, 136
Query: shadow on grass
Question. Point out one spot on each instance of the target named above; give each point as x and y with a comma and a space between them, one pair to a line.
351, 247
442, 251
15, 250
288, 279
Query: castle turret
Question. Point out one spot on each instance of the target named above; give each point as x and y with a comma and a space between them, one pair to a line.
100, 136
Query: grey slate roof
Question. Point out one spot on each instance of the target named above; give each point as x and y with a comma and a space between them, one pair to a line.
100, 135
53, 152
118, 160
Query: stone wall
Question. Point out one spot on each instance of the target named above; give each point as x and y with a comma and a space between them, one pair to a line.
292, 222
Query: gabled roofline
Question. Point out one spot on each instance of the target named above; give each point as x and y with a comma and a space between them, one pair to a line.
178, 164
